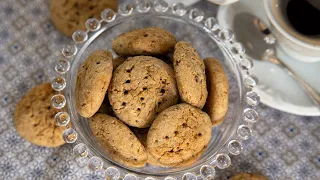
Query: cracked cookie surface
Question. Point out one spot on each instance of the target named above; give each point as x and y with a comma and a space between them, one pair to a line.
93, 80
34, 117
147, 41
190, 74
179, 135
140, 88
118, 140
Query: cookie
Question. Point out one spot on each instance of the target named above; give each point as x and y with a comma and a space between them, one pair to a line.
117, 61
147, 41
122, 145
140, 88
70, 15
218, 89
190, 74
141, 134
93, 80
248, 176
179, 135
34, 117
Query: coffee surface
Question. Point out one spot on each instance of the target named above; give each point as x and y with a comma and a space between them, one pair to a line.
303, 16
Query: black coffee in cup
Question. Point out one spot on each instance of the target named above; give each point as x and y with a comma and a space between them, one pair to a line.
304, 16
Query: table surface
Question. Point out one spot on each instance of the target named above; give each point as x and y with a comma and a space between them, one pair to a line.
284, 146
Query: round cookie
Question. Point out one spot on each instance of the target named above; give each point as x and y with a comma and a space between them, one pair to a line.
218, 89
118, 140
34, 117
248, 176
70, 15
190, 74
147, 41
179, 135
140, 88
93, 80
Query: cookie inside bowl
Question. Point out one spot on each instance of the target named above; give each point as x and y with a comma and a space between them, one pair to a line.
206, 44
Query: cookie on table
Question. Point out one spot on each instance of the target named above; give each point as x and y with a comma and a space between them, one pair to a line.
93, 80
140, 88
122, 145
248, 176
179, 135
34, 117
190, 74
218, 89
70, 15
147, 41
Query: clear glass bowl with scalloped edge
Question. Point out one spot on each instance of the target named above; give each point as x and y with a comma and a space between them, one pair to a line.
191, 26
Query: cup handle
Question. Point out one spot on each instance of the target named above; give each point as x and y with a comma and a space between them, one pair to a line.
223, 2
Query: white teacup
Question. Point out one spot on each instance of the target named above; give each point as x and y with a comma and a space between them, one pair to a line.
301, 47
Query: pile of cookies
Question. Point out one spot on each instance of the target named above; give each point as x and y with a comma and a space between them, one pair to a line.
156, 103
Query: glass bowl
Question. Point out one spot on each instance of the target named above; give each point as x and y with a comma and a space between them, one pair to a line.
204, 34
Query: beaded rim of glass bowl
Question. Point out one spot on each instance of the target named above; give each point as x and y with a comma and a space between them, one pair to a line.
252, 99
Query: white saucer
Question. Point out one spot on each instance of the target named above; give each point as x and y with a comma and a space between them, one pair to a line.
276, 88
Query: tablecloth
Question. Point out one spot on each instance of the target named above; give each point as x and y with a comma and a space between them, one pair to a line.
284, 146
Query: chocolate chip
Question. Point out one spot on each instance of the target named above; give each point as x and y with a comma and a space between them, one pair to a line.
184, 125
196, 78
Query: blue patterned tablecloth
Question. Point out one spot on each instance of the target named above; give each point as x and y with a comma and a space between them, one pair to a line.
284, 146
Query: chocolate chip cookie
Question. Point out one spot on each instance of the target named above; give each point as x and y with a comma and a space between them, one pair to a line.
140, 88
179, 135
119, 141
190, 74
218, 88
34, 117
93, 80
147, 41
